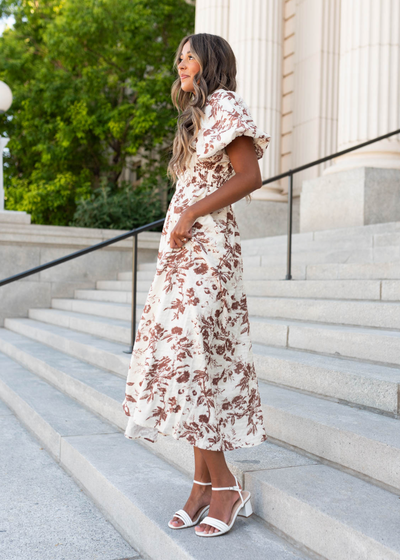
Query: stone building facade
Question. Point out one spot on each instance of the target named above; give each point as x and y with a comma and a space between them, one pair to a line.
320, 76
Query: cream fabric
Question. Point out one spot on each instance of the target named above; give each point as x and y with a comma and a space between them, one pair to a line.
192, 373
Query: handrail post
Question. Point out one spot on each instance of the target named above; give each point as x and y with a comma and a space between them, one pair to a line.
289, 226
134, 283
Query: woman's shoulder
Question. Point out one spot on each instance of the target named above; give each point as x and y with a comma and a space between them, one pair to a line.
224, 102
223, 96
226, 117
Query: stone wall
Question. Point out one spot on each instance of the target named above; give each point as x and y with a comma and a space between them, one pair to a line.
25, 246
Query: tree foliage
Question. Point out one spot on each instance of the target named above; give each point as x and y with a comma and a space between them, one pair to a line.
91, 82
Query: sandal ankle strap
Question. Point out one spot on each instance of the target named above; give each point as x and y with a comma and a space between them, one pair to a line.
202, 483
237, 488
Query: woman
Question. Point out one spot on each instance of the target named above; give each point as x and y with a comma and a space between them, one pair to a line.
192, 374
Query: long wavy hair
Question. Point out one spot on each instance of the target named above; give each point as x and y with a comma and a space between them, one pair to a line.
217, 71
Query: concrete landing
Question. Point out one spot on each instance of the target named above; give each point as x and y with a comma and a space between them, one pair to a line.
44, 515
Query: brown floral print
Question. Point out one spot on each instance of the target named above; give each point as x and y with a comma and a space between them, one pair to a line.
191, 373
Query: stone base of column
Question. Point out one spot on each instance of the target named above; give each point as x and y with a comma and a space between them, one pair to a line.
356, 197
14, 217
264, 218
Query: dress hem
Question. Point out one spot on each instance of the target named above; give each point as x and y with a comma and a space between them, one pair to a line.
224, 447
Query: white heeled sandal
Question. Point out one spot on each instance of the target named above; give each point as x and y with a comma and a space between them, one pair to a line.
185, 517
242, 508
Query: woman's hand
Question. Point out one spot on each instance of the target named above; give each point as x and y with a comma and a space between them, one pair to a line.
182, 231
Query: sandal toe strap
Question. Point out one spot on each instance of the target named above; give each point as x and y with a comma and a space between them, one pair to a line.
181, 513
216, 523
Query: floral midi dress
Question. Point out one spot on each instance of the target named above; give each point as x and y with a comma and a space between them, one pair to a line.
191, 373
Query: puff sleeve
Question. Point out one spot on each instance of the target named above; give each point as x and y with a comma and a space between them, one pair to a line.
226, 117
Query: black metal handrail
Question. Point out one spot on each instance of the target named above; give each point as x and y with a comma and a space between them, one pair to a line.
71, 256
134, 232
290, 174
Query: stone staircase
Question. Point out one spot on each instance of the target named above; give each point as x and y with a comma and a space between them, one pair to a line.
327, 350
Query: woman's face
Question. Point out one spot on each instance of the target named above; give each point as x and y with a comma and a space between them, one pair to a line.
187, 68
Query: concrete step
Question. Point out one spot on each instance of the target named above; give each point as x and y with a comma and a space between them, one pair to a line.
147, 266
111, 329
367, 271
44, 513
331, 235
99, 352
358, 243
141, 275
384, 227
376, 314
299, 497
367, 344
352, 243
326, 289
113, 310
331, 512
116, 296
372, 386
378, 255
369, 385
125, 285
387, 290
117, 473
358, 439
273, 272
332, 271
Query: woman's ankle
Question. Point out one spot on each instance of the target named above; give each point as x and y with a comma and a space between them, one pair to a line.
220, 480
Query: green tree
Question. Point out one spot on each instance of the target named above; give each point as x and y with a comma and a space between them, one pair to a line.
91, 81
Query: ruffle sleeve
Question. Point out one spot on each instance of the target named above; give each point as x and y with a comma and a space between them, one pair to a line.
226, 117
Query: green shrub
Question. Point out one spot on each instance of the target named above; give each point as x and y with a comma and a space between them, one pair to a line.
91, 83
124, 208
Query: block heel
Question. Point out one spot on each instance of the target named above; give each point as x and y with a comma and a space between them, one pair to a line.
246, 510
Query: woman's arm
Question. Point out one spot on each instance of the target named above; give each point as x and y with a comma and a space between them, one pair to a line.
247, 178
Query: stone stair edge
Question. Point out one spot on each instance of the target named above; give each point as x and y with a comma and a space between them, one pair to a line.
384, 227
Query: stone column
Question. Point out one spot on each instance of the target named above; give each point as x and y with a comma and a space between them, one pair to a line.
256, 36
369, 83
316, 85
212, 16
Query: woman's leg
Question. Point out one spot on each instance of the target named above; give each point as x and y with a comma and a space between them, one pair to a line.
222, 501
200, 496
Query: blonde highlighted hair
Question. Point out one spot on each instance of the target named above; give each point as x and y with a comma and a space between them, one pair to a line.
217, 71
